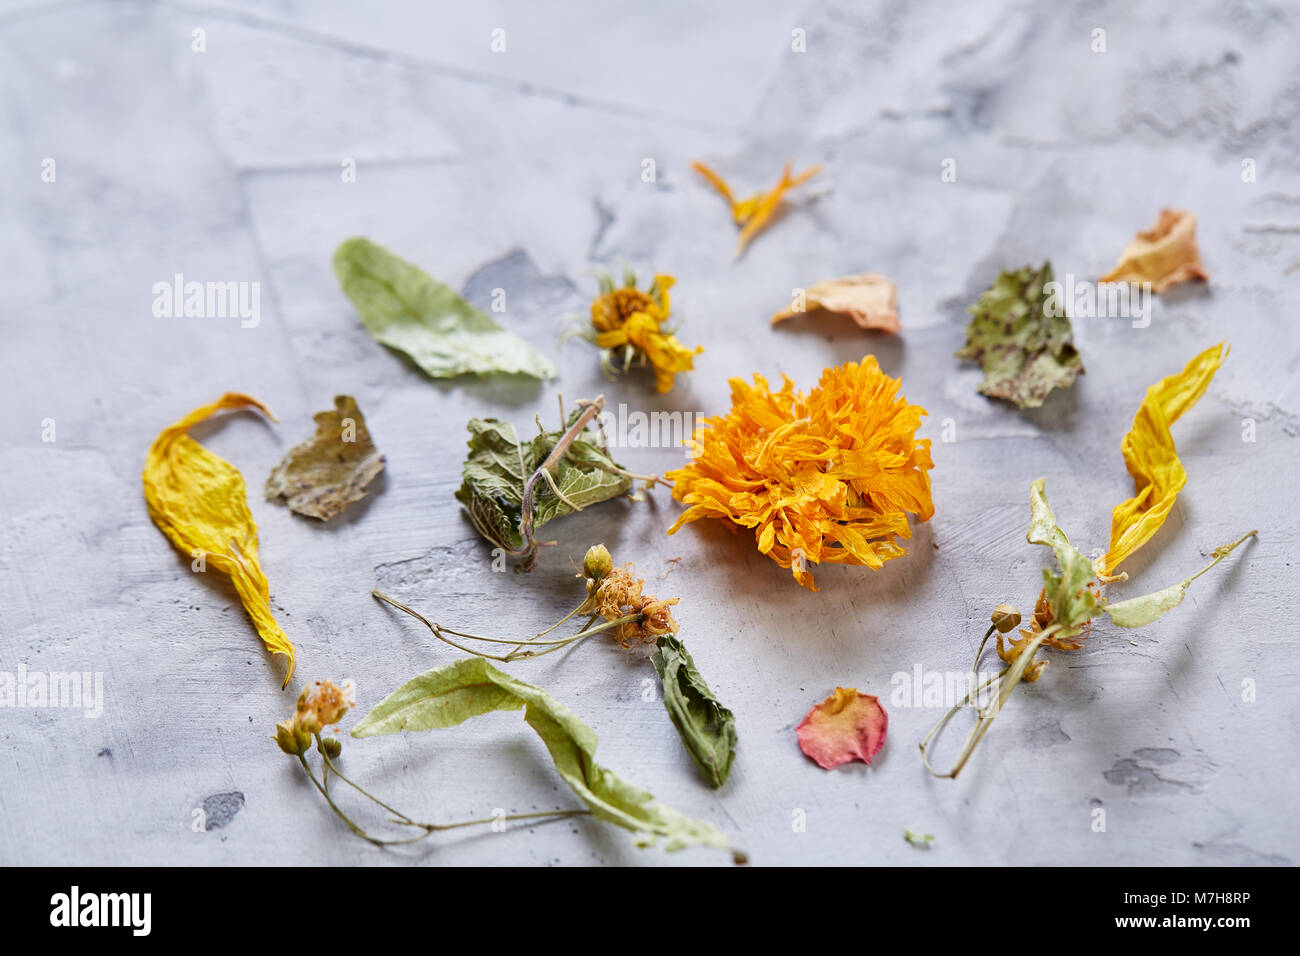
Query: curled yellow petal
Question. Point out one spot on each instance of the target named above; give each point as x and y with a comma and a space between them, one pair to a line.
1152, 459
198, 500
1163, 255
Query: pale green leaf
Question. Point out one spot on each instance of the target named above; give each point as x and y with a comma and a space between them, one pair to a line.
405, 308
707, 729
448, 696
1073, 603
1143, 610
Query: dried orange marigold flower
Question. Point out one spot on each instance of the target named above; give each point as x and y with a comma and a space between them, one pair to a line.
830, 476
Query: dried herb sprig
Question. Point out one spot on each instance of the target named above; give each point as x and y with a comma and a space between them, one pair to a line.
637, 621
1062, 619
324, 703
1071, 599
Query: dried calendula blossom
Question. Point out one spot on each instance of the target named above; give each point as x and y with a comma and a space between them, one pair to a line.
869, 300
848, 725
1022, 338
630, 326
830, 476
1163, 255
752, 215
325, 474
198, 500
1152, 458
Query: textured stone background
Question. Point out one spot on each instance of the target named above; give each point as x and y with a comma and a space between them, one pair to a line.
521, 171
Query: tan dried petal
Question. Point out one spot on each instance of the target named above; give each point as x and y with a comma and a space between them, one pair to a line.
869, 300
1163, 255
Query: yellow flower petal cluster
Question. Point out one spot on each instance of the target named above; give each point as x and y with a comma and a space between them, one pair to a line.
830, 476
617, 593
320, 705
631, 321
756, 212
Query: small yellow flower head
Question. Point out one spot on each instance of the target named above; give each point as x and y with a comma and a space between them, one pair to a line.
319, 705
597, 563
323, 704
619, 595
629, 325
658, 618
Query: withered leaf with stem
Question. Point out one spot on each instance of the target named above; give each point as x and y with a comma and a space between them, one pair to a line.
511, 488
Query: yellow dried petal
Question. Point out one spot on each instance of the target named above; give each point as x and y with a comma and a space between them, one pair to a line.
1152, 458
199, 502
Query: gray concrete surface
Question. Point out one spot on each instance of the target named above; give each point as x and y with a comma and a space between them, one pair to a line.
521, 170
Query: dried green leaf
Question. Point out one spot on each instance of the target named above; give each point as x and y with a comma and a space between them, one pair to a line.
707, 729
448, 696
1140, 611
498, 468
406, 309
325, 474
1021, 337
1073, 603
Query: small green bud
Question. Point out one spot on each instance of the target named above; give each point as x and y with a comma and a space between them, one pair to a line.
331, 747
597, 563
290, 739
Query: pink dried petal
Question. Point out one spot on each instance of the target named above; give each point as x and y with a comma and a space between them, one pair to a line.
846, 726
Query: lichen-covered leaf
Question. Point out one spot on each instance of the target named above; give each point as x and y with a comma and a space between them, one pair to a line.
499, 466
405, 308
869, 300
1152, 457
1021, 337
707, 729
326, 473
448, 696
847, 725
199, 502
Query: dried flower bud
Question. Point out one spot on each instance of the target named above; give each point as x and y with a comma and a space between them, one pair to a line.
291, 738
331, 747
597, 563
1005, 617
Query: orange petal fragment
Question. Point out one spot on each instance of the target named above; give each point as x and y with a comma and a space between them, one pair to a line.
848, 725
756, 212
1163, 255
869, 300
